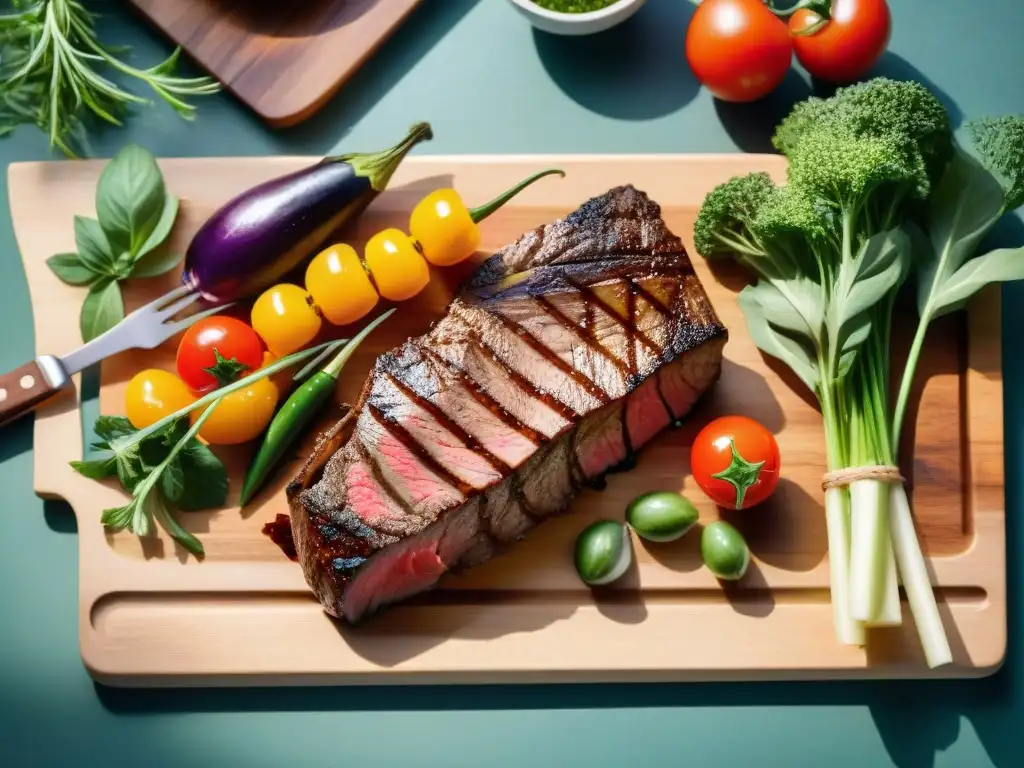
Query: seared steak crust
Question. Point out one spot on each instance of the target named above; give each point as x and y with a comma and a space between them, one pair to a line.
561, 356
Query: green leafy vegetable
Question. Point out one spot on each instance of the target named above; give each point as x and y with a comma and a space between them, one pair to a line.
830, 256
54, 74
135, 217
972, 196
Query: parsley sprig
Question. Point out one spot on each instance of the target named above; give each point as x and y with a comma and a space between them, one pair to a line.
165, 466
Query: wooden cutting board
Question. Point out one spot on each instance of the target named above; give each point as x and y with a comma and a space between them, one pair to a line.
284, 60
151, 615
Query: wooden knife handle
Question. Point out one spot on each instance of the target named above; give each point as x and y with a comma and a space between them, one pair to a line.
24, 388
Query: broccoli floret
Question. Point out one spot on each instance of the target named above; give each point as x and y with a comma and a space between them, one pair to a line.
723, 224
999, 141
907, 114
860, 162
790, 213
773, 230
867, 181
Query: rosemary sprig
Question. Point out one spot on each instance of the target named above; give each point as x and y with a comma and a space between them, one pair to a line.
51, 74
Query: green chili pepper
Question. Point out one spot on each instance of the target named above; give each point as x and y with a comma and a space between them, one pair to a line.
296, 413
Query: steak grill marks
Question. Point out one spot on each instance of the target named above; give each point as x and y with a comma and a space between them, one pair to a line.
482, 397
586, 334
448, 423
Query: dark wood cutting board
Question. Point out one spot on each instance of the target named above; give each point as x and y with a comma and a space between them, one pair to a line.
283, 59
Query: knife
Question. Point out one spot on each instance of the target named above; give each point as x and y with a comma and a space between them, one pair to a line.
35, 382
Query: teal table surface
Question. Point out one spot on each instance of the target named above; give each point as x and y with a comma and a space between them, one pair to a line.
490, 84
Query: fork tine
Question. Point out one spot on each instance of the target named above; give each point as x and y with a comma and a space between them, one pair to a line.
168, 297
168, 312
181, 325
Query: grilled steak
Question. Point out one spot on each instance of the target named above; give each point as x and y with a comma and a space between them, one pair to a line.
562, 355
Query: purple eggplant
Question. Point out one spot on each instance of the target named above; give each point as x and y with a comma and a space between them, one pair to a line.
265, 232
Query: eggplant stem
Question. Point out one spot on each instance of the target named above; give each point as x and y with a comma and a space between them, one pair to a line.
485, 210
379, 167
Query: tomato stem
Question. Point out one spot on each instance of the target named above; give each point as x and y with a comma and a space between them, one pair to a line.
822, 7
811, 28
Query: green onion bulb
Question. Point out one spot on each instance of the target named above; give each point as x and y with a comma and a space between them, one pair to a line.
603, 552
724, 550
661, 515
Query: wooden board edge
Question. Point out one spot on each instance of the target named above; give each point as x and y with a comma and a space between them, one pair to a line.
63, 415
163, 676
986, 441
298, 113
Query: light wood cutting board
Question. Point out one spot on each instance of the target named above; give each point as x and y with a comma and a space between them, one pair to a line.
284, 60
151, 615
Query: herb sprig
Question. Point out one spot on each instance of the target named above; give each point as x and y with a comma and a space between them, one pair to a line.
51, 74
164, 466
168, 467
135, 215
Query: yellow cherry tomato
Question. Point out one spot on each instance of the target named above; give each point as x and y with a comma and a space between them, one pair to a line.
240, 416
340, 286
153, 394
444, 228
284, 316
398, 269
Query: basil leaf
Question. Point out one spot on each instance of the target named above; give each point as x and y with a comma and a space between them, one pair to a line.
71, 269
205, 479
163, 227
156, 263
93, 248
102, 309
999, 266
113, 427
967, 203
130, 198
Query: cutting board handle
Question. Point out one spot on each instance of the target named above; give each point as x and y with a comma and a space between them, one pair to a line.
22, 389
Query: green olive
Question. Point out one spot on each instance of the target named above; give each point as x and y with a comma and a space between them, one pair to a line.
724, 550
661, 515
603, 552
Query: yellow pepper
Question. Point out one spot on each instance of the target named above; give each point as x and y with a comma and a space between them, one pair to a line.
447, 230
339, 285
444, 228
285, 318
397, 267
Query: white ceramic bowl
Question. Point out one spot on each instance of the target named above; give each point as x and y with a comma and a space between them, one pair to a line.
577, 23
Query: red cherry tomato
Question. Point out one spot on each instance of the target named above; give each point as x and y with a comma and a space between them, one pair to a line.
849, 43
239, 347
738, 49
735, 461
